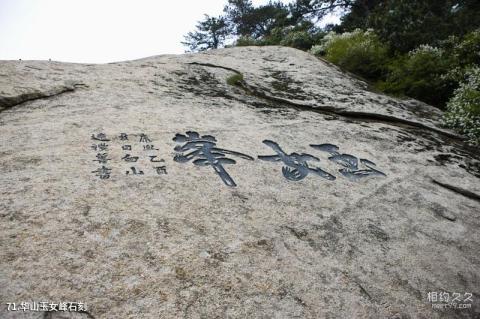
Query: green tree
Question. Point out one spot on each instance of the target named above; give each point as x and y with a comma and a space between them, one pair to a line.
317, 9
255, 22
235, 11
357, 16
210, 34
466, 16
407, 24
421, 74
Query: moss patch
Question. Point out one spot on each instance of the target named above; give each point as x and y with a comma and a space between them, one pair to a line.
235, 79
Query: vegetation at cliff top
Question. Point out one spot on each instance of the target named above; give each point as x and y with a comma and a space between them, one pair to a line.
425, 49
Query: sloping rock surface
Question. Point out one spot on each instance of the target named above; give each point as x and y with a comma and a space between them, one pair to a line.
154, 189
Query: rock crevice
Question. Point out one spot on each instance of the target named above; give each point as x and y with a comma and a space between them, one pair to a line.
31, 95
254, 91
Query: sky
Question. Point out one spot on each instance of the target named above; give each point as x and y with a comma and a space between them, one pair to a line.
99, 31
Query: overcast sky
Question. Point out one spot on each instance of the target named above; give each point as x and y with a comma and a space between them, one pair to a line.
98, 31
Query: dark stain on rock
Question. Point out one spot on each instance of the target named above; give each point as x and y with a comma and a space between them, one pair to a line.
472, 167
285, 86
27, 161
136, 227
444, 159
86, 210
10, 256
202, 83
363, 291
415, 144
329, 235
89, 254
240, 196
324, 237
164, 226
377, 232
299, 301
263, 244
219, 255
298, 233
442, 212
408, 287
180, 273
462, 159
149, 258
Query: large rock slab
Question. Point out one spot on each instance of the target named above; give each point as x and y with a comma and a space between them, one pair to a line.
154, 189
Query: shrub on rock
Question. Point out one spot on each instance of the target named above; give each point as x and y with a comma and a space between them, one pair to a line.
463, 110
360, 52
297, 39
420, 74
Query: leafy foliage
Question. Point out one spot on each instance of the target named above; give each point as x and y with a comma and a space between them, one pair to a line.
420, 74
302, 37
359, 51
298, 39
467, 51
425, 49
406, 24
210, 34
235, 79
255, 22
271, 24
247, 41
463, 110
357, 16
316, 9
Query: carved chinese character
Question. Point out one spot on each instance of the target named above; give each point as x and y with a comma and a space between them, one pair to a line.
152, 159
103, 146
129, 158
161, 170
99, 147
100, 137
134, 171
144, 138
349, 162
149, 147
102, 158
295, 165
127, 147
102, 172
123, 137
203, 149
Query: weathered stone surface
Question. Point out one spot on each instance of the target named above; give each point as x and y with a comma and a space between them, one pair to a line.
186, 245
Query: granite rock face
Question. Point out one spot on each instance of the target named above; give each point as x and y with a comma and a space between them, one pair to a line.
154, 189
